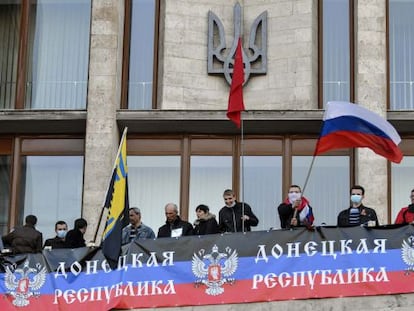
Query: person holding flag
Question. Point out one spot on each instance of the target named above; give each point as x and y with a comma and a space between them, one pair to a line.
295, 210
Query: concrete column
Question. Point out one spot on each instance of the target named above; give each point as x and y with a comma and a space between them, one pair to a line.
371, 88
102, 137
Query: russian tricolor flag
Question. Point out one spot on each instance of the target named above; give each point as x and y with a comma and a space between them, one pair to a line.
348, 125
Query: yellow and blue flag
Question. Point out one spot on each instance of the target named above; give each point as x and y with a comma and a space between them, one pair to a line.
117, 201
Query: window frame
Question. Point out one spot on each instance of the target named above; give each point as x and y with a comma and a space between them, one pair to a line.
351, 53
126, 55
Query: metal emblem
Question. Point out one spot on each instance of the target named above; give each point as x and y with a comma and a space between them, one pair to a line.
24, 283
407, 253
220, 59
214, 269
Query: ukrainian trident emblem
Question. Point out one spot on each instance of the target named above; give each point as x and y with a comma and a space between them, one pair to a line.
220, 58
24, 283
214, 269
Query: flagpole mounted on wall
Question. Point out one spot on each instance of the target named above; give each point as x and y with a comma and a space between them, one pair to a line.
236, 105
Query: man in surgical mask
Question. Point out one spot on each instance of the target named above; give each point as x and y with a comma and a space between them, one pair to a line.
357, 214
61, 228
295, 210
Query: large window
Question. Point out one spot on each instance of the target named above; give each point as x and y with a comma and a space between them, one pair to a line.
153, 182
401, 47
44, 53
9, 47
209, 177
336, 50
328, 185
41, 176
261, 183
4, 192
402, 178
196, 170
141, 29
402, 184
51, 189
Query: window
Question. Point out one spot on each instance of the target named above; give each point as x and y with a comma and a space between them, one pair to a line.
153, 182
6, 145
4, 192
336, 50
141, 31
9, 47
51, 189
209, 177
327, 198
402, 184
52, 61
263, 188
402, 178
40, 176
193, 170
401, 45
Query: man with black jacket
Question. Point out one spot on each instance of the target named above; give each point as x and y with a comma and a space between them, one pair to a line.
25, 239
236, 216
357, 214
174, 225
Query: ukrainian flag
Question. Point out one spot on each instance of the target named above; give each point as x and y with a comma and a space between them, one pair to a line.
117, 202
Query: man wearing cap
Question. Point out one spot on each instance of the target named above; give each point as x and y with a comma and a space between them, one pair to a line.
136, 229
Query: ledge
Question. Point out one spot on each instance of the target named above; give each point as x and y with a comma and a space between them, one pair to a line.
182, 121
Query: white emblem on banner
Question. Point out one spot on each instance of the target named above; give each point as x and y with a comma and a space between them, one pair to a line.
24, 283
214, 269
407, 253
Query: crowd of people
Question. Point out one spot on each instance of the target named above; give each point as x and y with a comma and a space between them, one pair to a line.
234, 216
27, 239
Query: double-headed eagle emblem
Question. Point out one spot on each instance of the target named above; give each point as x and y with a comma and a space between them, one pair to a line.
214, 269
26, 285
407, 253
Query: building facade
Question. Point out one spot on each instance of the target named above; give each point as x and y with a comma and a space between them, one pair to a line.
74, 74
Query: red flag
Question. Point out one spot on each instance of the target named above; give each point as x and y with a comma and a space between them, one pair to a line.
236, 105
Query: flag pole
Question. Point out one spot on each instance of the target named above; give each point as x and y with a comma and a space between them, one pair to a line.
242, 167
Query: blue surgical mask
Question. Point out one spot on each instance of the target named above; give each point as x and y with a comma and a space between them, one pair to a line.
61, 234
356, 198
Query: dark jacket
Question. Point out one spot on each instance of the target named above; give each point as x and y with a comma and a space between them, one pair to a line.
206, 225
165, 230
24, 239
286, 213
230, 218
74, 239
365, 214
56, 242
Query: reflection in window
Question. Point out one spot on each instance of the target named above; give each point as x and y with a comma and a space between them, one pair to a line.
51, 189
328, 185
336, 50
4, 192
58, 53
401, 43
209, 177
153, 182
401, 184
141, 54
9, 38
262, 188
